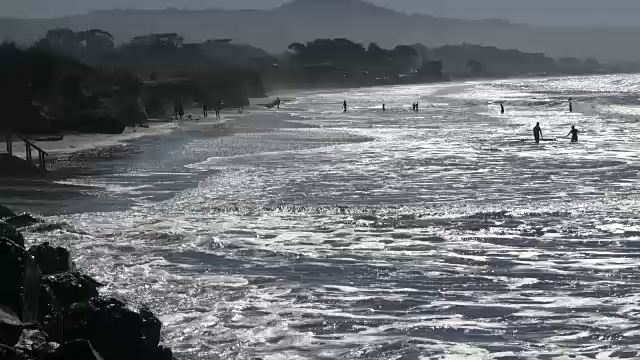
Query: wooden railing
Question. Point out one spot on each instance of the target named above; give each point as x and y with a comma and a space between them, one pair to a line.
42, 165
41, 155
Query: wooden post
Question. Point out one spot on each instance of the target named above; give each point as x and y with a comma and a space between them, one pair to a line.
41, 156
9, 144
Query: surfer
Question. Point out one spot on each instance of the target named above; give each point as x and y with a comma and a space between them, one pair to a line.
344, 105
537, 133
501, 108
574, 134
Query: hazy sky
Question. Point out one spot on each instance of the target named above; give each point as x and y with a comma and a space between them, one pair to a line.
611, 13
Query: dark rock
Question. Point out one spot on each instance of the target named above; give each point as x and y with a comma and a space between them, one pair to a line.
52, 260
35, 343
10, 232
150, 327
58, 292
21, 220
76, 350
20, 279
5, 212
9, 353
10, 327
117, 332
69, 288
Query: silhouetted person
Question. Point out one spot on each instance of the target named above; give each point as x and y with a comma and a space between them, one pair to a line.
501, 108
384, 107
205, 110
570, 105
175, 109
537, 133
574, 134
344, 105
180, 109
417, 106
413, 107
278, 103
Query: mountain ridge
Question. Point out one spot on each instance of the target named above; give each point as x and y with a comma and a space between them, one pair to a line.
305, 20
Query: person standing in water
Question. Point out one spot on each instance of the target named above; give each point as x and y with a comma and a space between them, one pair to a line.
570, 105
574, 134
413, 107
384, 107
537, 133
417, 106
344, 105
180, 109
501, 108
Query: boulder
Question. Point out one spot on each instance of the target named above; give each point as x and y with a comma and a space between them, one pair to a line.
58, 292
10, 232
5, 212
52, 260
10, 327
117, 332
20, 279
70, 288
21, 220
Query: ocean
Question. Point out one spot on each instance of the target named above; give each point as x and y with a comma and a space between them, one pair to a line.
309, 233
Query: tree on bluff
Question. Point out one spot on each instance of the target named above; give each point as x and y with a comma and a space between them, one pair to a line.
84, 45
347, 56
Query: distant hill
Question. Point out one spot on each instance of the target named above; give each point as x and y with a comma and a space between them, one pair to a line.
305, 20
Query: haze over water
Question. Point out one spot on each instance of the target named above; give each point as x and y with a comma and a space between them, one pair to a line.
310, 233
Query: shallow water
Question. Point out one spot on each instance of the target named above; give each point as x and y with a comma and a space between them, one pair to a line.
312, 233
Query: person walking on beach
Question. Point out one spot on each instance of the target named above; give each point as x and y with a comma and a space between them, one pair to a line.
278, 104
501, 108
537, 133
205, 110
574, 134
344, 105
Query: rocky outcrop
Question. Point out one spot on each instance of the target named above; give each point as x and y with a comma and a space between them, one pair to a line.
5, 212
52, 260
22, 220
61, 315
9, 232
117, 332
20, 280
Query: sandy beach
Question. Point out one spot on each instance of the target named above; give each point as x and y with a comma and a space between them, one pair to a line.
72, 143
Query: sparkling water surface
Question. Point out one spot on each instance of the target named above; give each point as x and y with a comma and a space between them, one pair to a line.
309, 233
